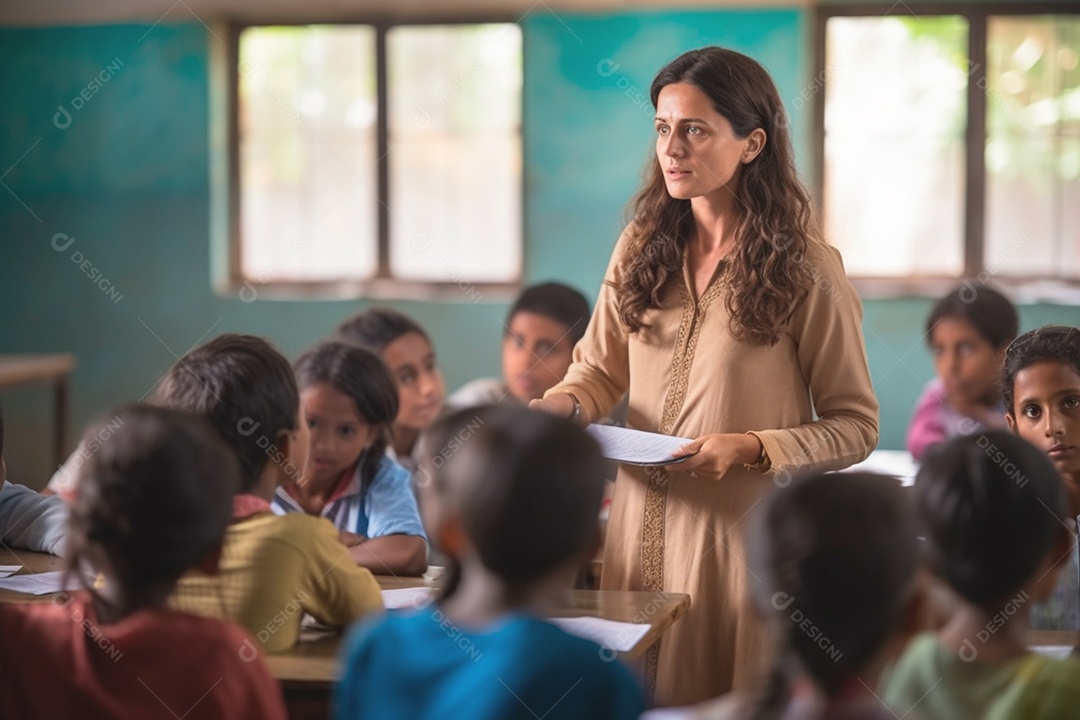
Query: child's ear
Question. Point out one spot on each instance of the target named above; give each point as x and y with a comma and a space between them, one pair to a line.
1010, 421
450, 538
211, 561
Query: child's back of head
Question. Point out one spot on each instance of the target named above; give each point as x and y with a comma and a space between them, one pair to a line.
514, 497
991, 507
525, 486
838, 552
152, 501
245, 388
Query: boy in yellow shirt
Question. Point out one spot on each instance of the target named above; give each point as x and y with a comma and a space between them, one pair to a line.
273, 568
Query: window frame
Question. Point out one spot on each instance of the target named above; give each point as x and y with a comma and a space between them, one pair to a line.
1026, 288
226, 268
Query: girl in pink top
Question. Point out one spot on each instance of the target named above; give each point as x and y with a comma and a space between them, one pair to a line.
151, 503
968, 331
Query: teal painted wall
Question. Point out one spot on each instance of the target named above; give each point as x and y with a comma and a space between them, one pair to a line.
128, 180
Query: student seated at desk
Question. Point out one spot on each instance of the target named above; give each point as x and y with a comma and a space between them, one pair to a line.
407, 350
152, 502
514, 507
349, 402
273, 569
27, 519
835, 558
1041, 387
539, 336
968, 331
993, 513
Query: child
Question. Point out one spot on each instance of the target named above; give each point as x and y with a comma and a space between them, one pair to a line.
836, 556
992, 510
968, 332
150, 503
513, 502
27, 519
1041, 389
350, 402
539, 336
407, 351
273, 568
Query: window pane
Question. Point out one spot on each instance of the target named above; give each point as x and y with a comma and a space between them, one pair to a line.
306, 108
1033, 146
895, 114
455, 152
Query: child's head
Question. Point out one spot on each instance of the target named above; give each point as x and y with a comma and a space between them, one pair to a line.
968, 331
247, 391
151, 502
514, 490
407, 351
1041, 389
541, 330
350, 402
991, 508
838, 551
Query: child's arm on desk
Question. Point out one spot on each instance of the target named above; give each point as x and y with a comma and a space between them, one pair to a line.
389, 554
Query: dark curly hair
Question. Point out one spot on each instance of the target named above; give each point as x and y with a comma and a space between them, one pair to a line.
1054, 343
776, 226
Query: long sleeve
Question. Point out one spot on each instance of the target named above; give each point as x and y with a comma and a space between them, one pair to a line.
32, 521
831, 353
600, 373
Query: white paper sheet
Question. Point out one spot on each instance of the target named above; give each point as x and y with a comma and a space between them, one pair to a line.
6, 570
1058, 652
38, 584
636, 447
617, 636
406, 598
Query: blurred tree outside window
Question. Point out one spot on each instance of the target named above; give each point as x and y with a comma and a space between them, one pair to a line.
332, 187
897, 199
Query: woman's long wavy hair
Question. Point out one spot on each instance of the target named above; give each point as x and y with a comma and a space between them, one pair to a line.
768, 274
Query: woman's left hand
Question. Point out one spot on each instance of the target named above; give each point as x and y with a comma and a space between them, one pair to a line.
711, 456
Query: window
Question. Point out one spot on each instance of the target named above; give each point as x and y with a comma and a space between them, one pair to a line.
950, 140
368, 153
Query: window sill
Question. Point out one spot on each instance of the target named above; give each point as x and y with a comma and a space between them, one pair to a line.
249, 291
1022, 291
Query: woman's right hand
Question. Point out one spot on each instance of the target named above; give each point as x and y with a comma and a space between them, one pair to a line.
560, 404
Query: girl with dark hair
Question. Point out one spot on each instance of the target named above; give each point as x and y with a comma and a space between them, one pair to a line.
151, 502
726, 318
837, 551
350, 402
968, 331
409, 353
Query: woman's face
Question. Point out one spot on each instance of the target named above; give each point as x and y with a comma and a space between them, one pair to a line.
1046, 412
695, 145
966, 362
421, 391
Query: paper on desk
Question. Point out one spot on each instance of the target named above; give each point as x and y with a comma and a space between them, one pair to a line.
636, 447
1058, 652
6, 570
406, 598
617, 636
39, 583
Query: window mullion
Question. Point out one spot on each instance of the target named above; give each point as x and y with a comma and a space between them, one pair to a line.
382, 148
975, 146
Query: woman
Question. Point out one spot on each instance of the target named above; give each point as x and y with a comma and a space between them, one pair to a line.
727, 319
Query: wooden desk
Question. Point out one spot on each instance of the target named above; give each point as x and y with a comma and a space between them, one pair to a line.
308, 670
32, 562
17, 370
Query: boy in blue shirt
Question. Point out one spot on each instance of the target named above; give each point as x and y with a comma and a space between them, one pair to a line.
513, 502
27, 519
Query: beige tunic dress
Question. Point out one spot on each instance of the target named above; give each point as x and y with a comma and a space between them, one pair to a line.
687, 376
